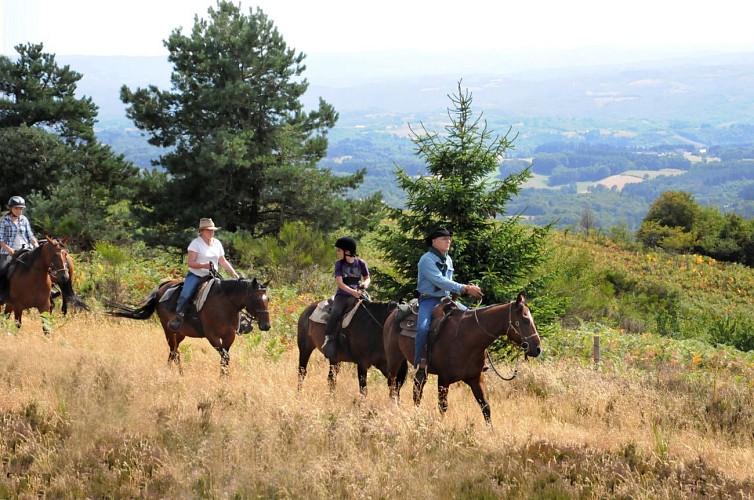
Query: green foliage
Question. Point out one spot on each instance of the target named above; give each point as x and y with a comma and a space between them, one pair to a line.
127, 273
34, 90
296, 254
92, 201
236, 130
31, 160
458, 193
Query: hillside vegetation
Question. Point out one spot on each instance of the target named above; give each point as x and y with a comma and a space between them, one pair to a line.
94, 411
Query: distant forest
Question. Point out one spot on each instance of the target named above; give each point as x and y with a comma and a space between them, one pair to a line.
717, 164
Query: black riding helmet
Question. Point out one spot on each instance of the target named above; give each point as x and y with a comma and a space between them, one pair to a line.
347, 244
16, 201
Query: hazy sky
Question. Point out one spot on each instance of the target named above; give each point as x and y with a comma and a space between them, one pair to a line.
137, 27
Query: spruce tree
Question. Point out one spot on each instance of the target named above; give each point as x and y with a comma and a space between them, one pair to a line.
461, 192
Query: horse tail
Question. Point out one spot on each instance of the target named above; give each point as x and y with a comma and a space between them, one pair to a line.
144, 311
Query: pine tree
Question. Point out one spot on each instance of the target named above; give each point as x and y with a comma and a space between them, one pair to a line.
461, 192
241, 147
35, 91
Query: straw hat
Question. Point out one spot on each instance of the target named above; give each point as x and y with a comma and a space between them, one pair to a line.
207, 223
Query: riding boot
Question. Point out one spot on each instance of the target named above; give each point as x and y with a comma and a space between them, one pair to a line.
176, 323
330, 348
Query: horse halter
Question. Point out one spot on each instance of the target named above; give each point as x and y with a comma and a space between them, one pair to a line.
524, 344
255, 313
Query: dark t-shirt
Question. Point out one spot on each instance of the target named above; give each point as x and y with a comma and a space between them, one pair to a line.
351, 273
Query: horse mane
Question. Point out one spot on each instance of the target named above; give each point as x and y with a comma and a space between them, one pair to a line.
234, 286
23, 263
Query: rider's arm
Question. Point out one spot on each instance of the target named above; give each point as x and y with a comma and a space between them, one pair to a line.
346, 288
192, 261
429, 271
226, 265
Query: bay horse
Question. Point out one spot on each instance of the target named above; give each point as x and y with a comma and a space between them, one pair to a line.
457, 351
30, 277
217, 320
364, 345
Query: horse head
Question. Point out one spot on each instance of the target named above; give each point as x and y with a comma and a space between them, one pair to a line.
521, 328
257, 302
55, 258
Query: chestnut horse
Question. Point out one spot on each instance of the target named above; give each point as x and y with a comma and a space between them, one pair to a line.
360, 343
217, 320
30, 277
456, 352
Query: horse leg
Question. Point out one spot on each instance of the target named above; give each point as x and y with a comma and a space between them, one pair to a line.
419, 389
332, 376
175, 355
17, 313
442, 398
224, 359
362, 374
305, 350
477, 388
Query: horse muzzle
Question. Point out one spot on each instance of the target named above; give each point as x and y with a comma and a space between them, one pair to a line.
531, 350
62, 276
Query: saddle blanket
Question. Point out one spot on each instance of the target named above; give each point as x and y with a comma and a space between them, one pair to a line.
201, 294
322, 312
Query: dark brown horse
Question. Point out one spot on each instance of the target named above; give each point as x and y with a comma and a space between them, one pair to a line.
457, 352
65, 289
217, 320
360, 343
30, 277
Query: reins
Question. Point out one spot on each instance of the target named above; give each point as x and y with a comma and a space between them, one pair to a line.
520, 346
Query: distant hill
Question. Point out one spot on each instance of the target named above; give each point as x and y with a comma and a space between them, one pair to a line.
712, 88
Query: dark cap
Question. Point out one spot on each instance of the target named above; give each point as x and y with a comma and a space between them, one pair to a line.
436, 234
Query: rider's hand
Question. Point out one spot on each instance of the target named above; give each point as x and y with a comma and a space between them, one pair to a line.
473, 290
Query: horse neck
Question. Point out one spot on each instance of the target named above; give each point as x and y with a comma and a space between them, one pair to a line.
492, 321
236, 291
28, 262
380, 310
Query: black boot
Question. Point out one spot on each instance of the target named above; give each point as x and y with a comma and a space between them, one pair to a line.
176, 323
330, 349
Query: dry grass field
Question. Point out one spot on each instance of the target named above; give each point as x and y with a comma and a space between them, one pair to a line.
93, 411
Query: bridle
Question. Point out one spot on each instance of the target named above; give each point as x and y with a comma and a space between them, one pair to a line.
523, 345
255, 313
52, 271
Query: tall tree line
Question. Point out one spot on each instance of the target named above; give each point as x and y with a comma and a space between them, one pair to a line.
239, 145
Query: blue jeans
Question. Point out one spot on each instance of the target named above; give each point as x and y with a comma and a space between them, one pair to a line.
423, 320
190, 284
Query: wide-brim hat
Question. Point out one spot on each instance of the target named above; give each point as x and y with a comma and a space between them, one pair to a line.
441, 231
207, 223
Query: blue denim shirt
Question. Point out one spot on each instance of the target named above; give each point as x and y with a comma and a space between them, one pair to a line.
436, 275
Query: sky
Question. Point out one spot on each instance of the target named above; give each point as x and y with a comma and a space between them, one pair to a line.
138, 27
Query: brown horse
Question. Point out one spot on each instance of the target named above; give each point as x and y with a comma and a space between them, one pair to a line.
457, 351
30, 277
217, 320
360, 343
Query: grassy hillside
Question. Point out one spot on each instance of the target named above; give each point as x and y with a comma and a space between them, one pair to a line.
94, 411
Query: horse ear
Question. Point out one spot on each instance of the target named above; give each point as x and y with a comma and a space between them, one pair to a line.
64, 241
264, 285
521, 299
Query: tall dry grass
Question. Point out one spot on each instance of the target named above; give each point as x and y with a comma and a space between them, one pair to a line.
93, 411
